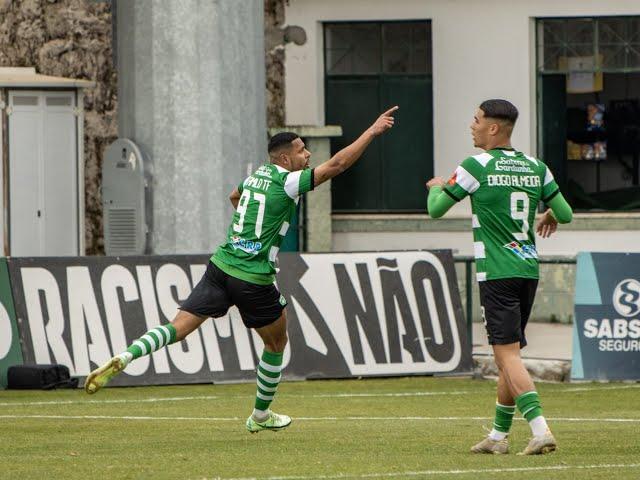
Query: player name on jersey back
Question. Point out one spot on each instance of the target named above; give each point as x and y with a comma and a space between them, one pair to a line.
513, 181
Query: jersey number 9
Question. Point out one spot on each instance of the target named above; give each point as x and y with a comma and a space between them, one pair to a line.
520, 211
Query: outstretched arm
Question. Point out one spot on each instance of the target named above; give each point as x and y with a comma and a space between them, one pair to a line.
348, 155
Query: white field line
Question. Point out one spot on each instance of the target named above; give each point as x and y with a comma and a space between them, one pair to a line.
591, 389
308, 419
444, 472
124, 400
212, 397
395, 394
292, 395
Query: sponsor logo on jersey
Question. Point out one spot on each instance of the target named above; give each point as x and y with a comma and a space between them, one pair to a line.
524, 251
626, 297
512, 165
263, 171
248, 246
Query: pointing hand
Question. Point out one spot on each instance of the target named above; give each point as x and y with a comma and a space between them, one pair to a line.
384, 122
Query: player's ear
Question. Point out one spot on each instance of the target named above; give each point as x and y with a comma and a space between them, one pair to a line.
494, 128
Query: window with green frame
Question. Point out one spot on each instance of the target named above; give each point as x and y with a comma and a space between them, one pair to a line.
370, 66
589, 108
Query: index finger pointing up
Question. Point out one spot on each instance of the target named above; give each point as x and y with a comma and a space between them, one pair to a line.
391, 110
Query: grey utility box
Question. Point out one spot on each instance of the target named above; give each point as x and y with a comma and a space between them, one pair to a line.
125, 195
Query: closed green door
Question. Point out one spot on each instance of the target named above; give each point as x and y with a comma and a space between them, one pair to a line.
371, 67
554, 125
407, 152
353, 103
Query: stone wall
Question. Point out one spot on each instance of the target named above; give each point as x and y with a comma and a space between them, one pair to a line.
274, 61
70, 38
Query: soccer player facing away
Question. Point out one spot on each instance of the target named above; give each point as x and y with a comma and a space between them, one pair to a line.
242, 270
505, 186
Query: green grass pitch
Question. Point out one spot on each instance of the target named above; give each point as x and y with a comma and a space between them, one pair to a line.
416, 427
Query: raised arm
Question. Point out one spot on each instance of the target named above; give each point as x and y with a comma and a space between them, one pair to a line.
350, 154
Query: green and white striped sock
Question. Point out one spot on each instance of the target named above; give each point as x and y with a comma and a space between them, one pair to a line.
269, 376
529, 405
153, 340
502, 422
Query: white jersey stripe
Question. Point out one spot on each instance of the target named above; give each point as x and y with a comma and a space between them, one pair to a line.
548, 177
481, 276
531, 159
483, 158
475, 223
273, 253
478, 250
284, 228
466, 180
292, 184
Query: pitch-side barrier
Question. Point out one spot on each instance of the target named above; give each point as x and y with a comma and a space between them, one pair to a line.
349, 315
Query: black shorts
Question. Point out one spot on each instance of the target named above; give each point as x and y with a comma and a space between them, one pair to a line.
506, 306
259, 305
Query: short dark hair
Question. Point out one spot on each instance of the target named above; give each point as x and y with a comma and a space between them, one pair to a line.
281, 139
501, 109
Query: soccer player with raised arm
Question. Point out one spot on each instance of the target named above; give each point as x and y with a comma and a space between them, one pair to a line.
505, 187
242, 270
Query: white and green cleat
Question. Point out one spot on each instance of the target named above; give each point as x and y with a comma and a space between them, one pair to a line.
488, 445
540, 445
102, 375
273, 422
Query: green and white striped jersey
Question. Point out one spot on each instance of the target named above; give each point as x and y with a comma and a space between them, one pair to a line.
267, 204
505, 187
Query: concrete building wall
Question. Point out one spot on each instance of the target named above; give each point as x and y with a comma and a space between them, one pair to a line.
480, 50
192, 95
470, 55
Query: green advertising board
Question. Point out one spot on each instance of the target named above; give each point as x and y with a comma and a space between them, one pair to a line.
10, 352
